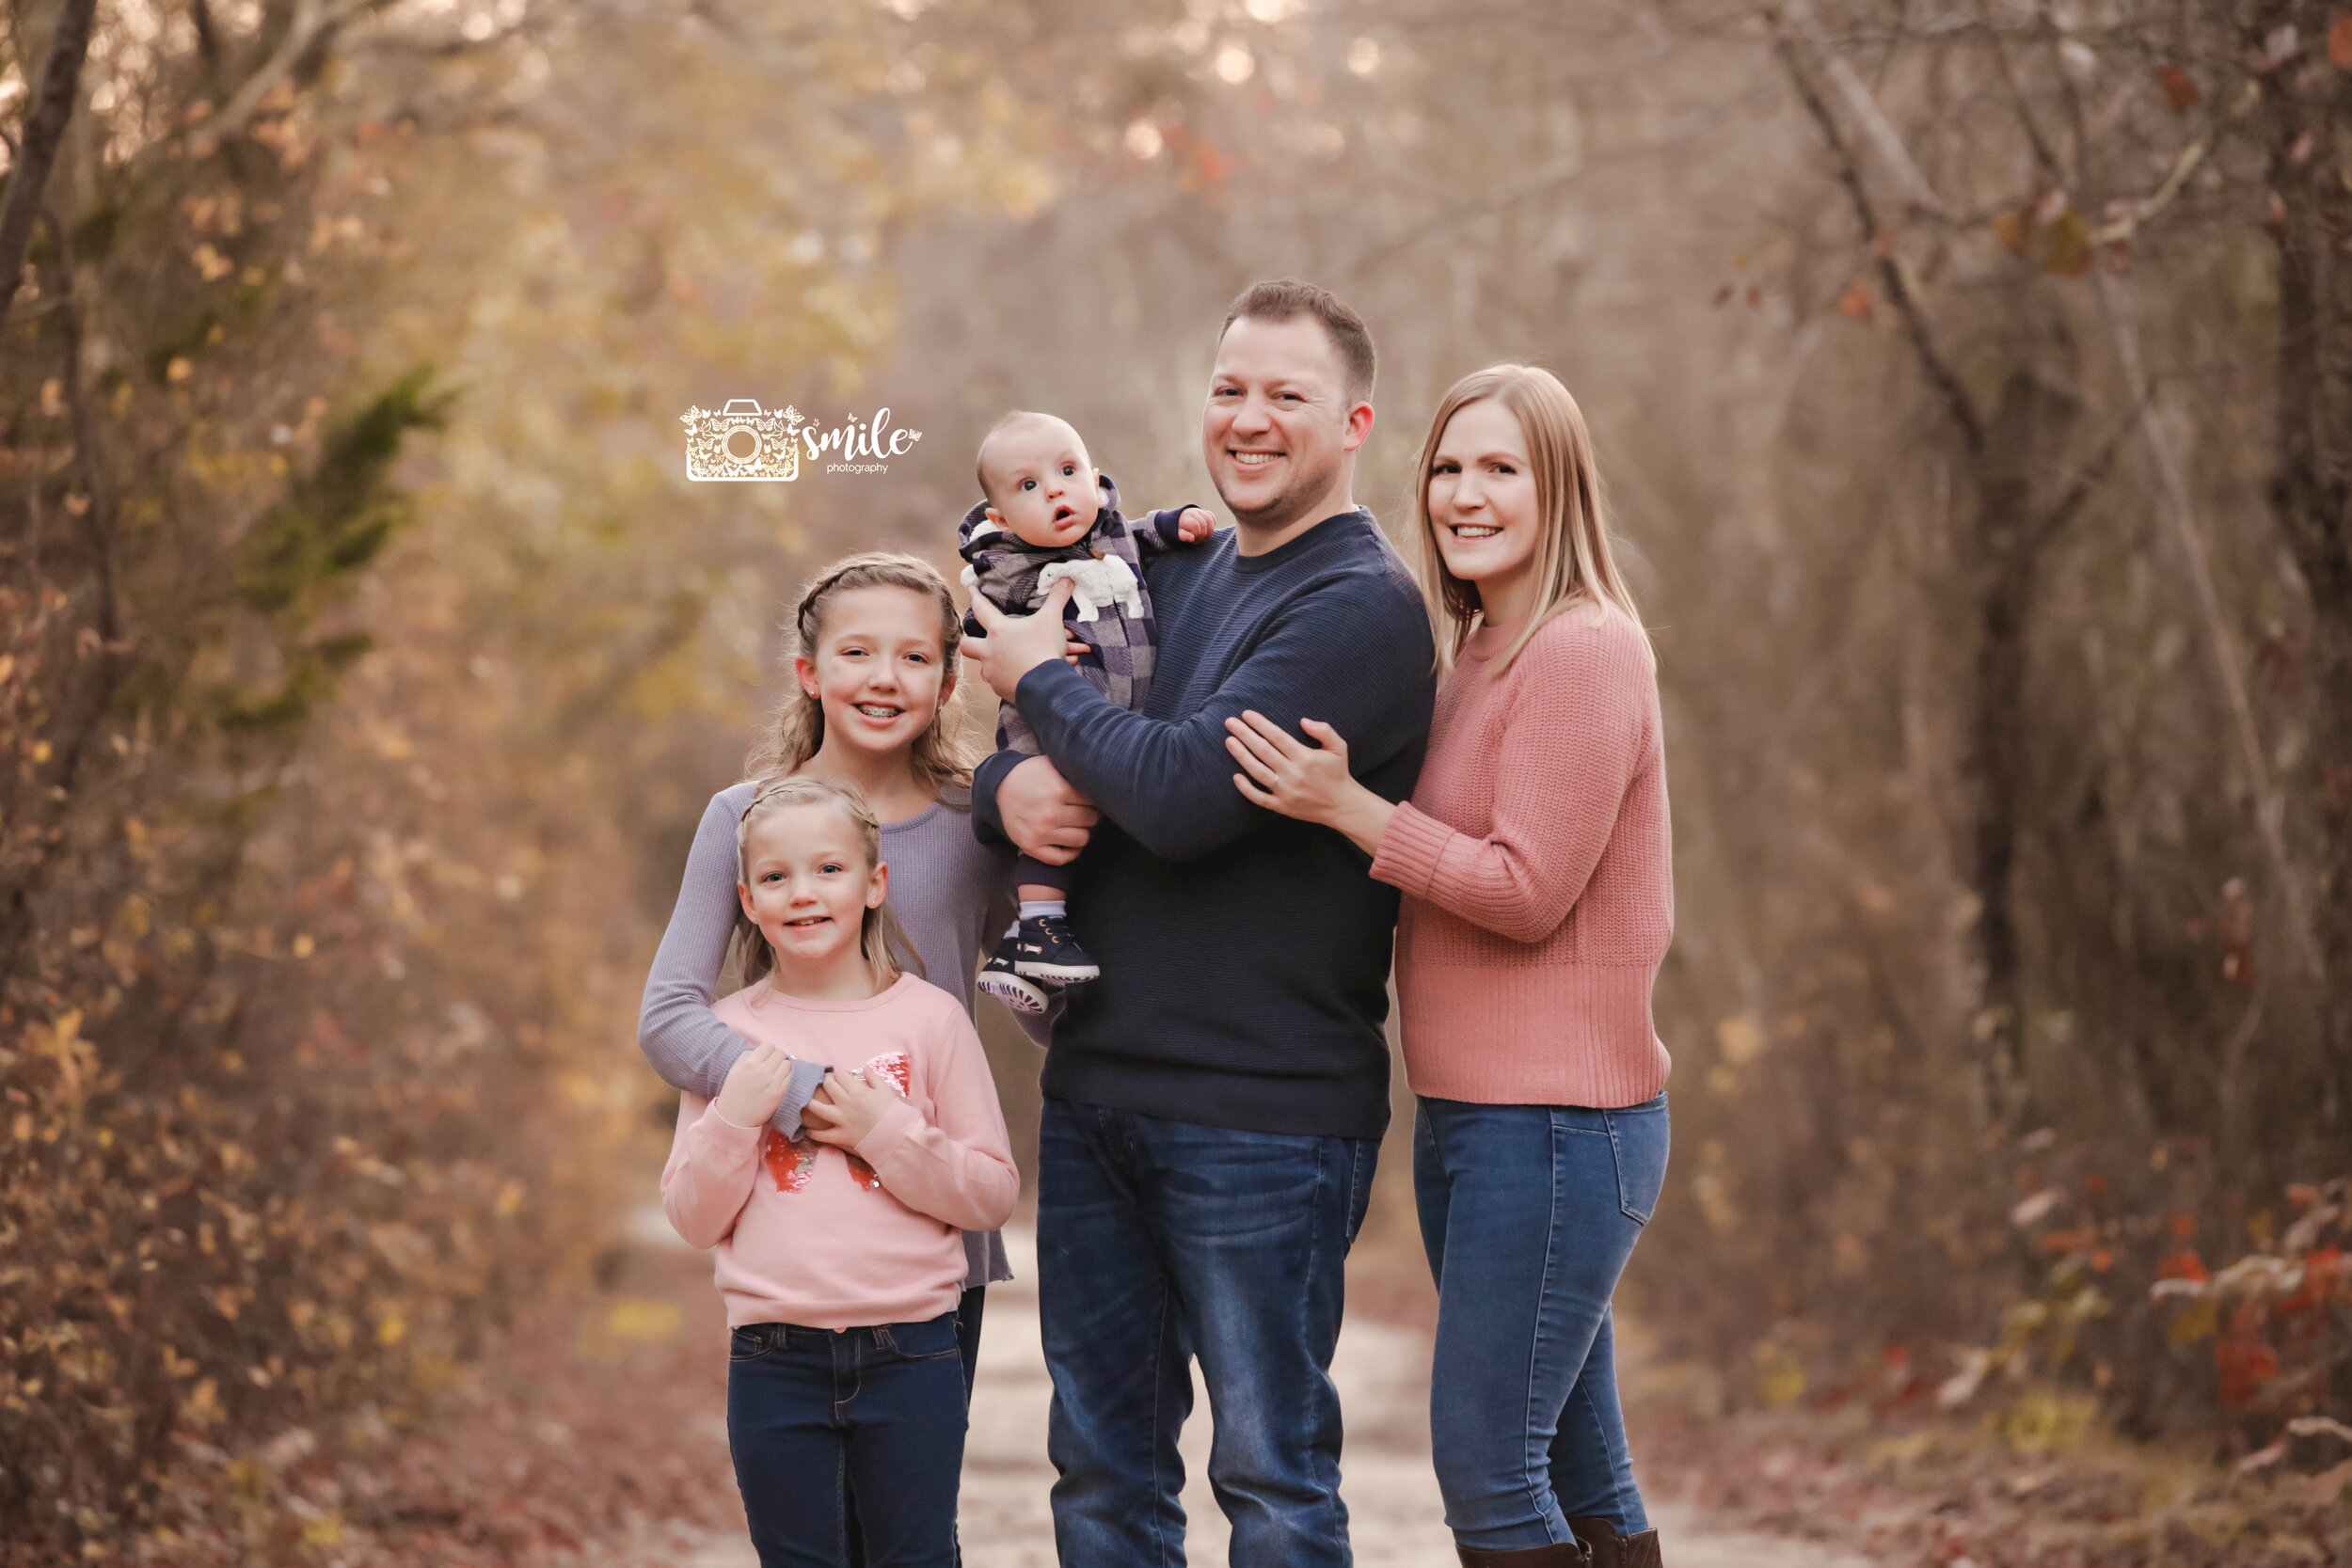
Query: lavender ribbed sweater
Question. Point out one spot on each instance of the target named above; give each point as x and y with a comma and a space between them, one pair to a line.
1536, 860
951, 894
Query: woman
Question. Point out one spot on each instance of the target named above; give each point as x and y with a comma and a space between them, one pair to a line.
1533, 859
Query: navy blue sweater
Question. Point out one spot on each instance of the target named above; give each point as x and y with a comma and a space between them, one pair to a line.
1245, 956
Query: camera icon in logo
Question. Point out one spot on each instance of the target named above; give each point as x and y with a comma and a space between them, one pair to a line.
741, 442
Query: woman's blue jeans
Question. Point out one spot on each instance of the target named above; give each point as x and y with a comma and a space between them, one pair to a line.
1528, 1213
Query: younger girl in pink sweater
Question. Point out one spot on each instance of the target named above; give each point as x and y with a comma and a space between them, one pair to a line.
839, 1251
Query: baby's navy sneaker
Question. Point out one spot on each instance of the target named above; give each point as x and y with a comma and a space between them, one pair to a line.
1043, 949
999, 980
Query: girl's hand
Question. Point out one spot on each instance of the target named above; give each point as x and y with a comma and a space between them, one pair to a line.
1193, 525
754, 1087
1309, 783
847, 1106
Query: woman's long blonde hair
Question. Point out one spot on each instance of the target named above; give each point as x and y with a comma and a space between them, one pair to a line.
880, 936
1573, 562
796, 729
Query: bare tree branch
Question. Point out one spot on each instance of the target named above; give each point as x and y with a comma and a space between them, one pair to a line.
2180, 511
1550, 177
2061, 512
1876, 128
1933, 362
44, 128
2142, 212
313, 22
2043, 153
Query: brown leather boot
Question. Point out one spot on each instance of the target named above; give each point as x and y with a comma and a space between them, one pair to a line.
1570, 1554
1609, 1549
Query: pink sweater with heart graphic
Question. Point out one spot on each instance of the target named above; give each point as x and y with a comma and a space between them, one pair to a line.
826, 1238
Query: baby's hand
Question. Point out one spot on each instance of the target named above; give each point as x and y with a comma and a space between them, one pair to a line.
1193, 525
755, 1086
850, 1104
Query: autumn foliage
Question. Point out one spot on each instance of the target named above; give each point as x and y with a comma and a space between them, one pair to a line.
1971, 386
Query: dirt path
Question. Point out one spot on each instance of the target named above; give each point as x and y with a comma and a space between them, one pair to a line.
1396, 1518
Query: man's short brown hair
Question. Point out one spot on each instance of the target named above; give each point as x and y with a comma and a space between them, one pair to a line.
1286, 299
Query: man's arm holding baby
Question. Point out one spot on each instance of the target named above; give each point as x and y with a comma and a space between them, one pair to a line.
1355, 655
1035, 807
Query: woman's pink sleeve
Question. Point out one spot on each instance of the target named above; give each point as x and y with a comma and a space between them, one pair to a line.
960, 1170
712, 1165
1576, 737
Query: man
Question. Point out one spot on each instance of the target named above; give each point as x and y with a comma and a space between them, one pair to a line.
1214, 1101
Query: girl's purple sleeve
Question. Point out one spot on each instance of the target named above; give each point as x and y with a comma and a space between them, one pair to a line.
680, 1036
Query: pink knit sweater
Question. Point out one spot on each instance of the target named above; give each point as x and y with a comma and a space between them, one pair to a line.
1534, 859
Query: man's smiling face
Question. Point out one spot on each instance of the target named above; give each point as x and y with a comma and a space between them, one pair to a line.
1279, 421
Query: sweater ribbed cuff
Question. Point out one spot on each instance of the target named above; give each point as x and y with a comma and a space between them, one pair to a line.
1411, 849
797, 1094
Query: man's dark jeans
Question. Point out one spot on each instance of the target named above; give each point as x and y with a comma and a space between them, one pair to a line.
1158, 1240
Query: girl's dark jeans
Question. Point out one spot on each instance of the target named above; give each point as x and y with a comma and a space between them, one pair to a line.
814, 1413
1528, 1213
968, 1314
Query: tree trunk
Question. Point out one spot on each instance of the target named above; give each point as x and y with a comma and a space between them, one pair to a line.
2312, 482
36, 146
2028, 428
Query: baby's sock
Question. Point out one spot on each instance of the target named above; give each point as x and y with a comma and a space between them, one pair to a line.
1054, 906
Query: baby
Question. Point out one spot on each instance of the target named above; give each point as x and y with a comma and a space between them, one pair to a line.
1049, 515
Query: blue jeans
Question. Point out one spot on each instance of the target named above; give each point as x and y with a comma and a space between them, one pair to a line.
1160, 1240
812, 1413
1528, 1213
970, 1308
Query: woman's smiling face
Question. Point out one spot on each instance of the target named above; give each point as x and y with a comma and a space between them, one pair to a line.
879, 669
1482, 498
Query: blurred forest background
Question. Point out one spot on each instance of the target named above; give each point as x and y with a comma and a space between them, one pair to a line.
1974, 379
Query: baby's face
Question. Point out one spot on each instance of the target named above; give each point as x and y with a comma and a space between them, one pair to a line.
1044, 484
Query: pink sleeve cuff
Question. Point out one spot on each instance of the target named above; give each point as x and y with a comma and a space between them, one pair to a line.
726, 1135
899, 1123
1411, 849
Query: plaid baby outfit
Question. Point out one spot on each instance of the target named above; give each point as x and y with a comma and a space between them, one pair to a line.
1110, 612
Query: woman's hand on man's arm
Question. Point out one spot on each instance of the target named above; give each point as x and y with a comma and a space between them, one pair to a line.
1309, 783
